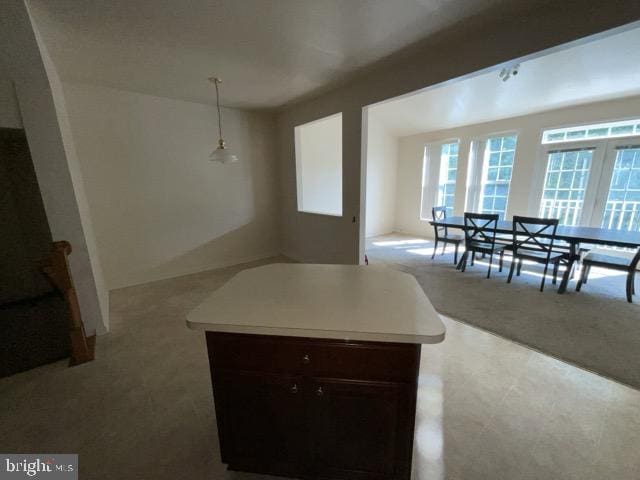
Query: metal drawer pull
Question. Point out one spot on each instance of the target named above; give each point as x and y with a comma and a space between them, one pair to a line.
319, 392
294, 388
306, 359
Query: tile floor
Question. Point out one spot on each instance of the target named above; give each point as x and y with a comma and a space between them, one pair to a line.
488, 408
595, 329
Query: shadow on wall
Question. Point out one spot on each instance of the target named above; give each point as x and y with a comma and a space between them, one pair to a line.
237, 225
160, 208
223, 251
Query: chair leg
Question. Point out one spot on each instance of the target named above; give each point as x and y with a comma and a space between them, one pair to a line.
463, 260
574, 272
444, 245
435, 247
455, 255
583, 277
490, 262
630, 287
511, 269
587, 271
556, 267
501, 260
519, 267
544, 276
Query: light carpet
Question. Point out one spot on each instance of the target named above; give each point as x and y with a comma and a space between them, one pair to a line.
596, 329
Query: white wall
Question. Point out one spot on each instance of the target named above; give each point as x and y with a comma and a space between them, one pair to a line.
515, 30
159, 207
529, 166
381, 166
319, 166
9, 109
23, 61
78, 184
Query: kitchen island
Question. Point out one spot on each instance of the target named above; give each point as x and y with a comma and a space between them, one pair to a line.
315, 369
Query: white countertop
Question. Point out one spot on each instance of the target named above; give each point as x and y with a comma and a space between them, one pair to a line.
347, 302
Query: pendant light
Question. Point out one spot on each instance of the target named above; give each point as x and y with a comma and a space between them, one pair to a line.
221, 154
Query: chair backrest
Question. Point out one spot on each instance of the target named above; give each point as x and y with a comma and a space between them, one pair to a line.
439, 214
480, 227
537, 234
635, 260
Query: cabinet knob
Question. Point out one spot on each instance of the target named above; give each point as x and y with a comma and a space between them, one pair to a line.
294, 388
319, 392
306, 359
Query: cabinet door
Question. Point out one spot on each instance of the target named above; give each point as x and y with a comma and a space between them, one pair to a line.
261, 421
362, 429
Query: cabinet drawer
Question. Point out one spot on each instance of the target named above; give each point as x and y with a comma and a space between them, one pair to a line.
317, 357
257, 353
366, 361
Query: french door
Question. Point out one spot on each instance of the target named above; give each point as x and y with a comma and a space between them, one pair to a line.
571, 181
618, 202
593, 183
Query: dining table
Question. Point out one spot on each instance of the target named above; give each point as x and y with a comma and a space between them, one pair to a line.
571, 236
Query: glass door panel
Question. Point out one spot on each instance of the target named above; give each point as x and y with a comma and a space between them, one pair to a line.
622, 210
565, 184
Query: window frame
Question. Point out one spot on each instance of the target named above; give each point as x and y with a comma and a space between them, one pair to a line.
478, 154
602, 165
595, 172
431, 175
597, 124
440, 146
608, 166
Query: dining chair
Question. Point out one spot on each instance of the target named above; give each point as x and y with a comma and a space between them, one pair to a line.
443, 235
611, 262
480, 237
533, 241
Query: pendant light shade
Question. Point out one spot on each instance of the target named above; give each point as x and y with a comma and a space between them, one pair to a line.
222, 153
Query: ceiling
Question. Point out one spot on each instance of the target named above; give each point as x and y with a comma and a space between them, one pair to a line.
602, 69
268, 52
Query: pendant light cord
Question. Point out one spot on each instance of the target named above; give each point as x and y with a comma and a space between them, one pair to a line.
216, 81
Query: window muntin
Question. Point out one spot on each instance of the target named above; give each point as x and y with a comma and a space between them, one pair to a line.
447, 176
565, 184
622, 210
590, 132
497, 170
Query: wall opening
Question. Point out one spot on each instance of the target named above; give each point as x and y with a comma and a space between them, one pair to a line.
319, 166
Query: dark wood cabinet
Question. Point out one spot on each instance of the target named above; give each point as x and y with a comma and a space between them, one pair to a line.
314, 408
359, 428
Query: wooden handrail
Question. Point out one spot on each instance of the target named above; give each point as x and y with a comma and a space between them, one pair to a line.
57, 270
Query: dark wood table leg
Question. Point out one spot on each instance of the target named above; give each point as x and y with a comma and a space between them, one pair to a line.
569, 270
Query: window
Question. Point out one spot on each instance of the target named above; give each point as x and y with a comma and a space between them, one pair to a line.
497, 169
588, 132
622, 210
594, 182
319, 166
447, 176
565, 184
